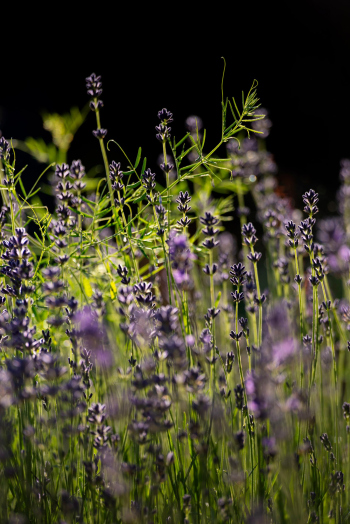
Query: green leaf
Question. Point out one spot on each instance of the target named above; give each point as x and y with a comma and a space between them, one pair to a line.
103, 212
218, 299
138, 158
132, 186
87, 201
113, 290
80, 212
141, 248
204, 137
184, 153
182, 140
140, 198
87, 287
35, 192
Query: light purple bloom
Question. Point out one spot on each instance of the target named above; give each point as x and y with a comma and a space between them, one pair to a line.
283, 351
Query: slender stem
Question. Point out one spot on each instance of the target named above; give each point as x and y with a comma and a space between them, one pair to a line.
314, 334
212, 293
167, 185
13, 224
167, 262
301, 321
242, 217
4, 194
249, 354
335, 378
212, 305
130, 243
239, 354
259, 298
106, 165
335, 313
300, 297
251, 439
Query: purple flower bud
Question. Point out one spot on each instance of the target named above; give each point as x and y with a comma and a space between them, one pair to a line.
100, 133
62, 171
94, 85
165, 116
4, 148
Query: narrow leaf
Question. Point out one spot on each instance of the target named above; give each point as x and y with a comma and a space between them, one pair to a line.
138, 158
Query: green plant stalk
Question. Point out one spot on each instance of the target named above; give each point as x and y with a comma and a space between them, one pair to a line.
4, 194
242, 218
255, 264
301, 320
167, 262
239, 353
334, 310
136, 269
105, 161
79, 215
249, 353
251, 440
335, 378
212, 305
13, 221
314, 335
168, 188
226, 316
106, 166
167, 185
300, 297
314, 327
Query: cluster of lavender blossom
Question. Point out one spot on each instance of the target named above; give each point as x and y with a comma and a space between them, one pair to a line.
154, 368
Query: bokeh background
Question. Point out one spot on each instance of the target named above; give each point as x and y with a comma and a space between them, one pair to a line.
170, 56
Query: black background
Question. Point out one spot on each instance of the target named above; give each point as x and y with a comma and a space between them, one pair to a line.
171, 57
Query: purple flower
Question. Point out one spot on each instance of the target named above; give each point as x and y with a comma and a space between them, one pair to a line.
264, 125
283, 351
190, 340
103, 358
165, 116
259, 391
94, 85
193, 123
181, 259
4, 148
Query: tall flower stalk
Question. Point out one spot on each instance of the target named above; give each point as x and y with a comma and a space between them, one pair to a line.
210, 231
250, 239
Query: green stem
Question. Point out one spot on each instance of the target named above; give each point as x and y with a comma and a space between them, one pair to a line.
106, 166
301, 328
335, 378
167, 186
130, 243
13, 225
300, 298
167, 263
239, 355
212, 305
251, 440
259, 298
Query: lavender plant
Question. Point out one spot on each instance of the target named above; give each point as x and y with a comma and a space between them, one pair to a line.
136, 385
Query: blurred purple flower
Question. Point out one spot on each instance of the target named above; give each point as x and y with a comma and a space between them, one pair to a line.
104, 358
181, 259
283, 351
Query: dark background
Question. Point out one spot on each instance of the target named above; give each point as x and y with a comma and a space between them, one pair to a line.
170, 57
